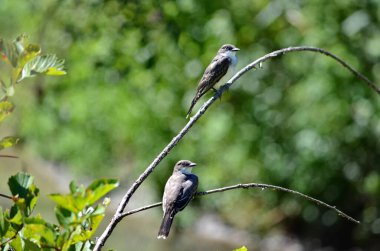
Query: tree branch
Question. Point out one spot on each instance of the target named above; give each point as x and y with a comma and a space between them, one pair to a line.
119, 212
251, 185
6, 196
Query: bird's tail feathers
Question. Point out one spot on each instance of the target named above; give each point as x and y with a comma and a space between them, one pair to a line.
193, 102
165, 226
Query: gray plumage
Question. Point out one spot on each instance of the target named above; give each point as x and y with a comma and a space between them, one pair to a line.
215, 71
179, 191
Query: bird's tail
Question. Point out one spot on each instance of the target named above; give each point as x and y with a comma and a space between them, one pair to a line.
193, 102
165, 226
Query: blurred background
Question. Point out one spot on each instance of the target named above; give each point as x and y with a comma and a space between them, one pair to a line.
302, 121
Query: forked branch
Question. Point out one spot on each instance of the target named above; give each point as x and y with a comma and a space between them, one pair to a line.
119, 212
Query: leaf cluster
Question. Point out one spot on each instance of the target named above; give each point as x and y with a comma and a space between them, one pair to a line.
79, 214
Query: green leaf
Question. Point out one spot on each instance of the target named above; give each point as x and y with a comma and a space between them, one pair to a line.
4, 224
17, 243
71, 203
80, 246
39, 232
99, 188
9, 52
48, 64
8, 142
64, 216
243, 248
15, 215
22, 186
6, 108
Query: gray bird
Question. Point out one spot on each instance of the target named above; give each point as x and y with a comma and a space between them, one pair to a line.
216, 73
179, 191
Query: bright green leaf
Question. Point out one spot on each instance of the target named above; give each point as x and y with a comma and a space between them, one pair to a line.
8, 142
15, 215
99, 188
30, 52
69, 202
243, 248
6, 108
17, 243
48, 64
39, 232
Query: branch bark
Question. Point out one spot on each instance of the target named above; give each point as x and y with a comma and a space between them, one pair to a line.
119, 212
251, 185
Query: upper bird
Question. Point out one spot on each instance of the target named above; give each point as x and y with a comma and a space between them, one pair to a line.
216, 73
179, 191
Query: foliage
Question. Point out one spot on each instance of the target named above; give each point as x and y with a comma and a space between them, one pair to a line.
77, 214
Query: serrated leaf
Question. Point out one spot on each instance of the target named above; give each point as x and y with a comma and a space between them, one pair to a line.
6, 108
99, 188
8, 142
48, 64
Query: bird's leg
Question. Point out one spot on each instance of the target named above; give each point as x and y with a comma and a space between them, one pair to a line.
217, 92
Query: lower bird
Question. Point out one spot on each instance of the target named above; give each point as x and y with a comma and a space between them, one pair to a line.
179, 191
216, 73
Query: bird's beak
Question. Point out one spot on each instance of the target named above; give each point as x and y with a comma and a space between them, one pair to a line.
235, 49
193, 164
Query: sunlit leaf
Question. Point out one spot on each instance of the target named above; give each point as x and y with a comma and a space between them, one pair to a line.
30, 52
38, 231
69, 202
17, 243
99, 188
48, 64
15, 215
8, 142
243, 248
6, 108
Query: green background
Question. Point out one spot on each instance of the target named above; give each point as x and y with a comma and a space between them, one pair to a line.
301, 122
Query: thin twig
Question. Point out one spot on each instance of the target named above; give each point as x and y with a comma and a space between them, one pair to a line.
251, 185
119, 212
6, 196
8, 156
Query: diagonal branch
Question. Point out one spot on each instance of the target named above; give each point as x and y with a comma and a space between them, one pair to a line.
118, 214
252, 185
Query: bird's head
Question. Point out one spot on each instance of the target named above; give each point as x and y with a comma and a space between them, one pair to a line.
184, 166
228, 49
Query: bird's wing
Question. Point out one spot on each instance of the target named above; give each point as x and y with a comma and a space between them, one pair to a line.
213, 73
189, 187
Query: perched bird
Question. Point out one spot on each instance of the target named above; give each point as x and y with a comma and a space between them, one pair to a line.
179, 191
216, 73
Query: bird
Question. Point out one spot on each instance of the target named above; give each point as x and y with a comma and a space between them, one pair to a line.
216, 73
179, 191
